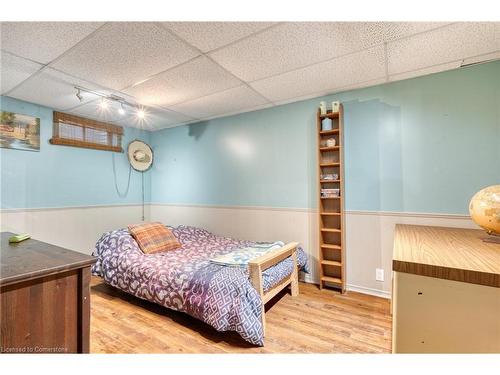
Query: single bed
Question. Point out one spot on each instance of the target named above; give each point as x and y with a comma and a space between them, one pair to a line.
184, 279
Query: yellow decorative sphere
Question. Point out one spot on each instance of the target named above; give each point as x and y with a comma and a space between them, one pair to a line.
484, 209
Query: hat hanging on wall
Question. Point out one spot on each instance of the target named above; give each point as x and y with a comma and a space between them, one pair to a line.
140, 155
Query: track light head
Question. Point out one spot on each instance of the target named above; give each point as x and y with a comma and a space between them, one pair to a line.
79, 95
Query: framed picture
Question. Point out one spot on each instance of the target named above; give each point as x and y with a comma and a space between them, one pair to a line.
19, 132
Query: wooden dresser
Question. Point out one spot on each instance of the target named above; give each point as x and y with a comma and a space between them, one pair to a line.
44, 298
446, 291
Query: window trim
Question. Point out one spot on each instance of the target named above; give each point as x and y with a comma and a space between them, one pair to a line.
84, 123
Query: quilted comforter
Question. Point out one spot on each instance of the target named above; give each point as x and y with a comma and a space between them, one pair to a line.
185, 280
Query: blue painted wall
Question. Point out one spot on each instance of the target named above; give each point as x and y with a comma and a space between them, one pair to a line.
60, 176
419, 145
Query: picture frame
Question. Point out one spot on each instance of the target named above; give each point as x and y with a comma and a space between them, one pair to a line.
19, 131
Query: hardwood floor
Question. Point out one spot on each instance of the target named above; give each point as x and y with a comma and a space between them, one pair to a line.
314, 322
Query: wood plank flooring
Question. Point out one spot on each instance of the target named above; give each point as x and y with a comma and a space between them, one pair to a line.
314, 322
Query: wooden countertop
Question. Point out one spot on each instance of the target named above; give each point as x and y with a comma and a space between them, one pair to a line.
32, 259
446, 253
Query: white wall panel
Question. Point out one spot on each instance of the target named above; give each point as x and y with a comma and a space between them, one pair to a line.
76, 228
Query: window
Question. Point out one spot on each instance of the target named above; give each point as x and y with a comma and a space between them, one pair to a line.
70, 130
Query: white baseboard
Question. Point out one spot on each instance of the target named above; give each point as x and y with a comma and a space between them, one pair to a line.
308, 279
370, 291
354, 288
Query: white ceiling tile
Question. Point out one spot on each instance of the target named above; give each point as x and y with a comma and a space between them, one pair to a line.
53, 89
368, 33
443, 45
14, 70
43, 41
294, 45
196, 78
325, 77
229, 101
124, 53
208, 36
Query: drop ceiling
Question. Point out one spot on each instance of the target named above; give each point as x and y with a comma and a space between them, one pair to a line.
184, 72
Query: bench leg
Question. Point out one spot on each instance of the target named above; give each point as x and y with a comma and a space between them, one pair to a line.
256, 280
295, 276
263, 319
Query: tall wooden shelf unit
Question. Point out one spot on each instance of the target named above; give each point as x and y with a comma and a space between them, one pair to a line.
331, 210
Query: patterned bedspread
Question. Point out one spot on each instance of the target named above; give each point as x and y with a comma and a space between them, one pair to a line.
185, 280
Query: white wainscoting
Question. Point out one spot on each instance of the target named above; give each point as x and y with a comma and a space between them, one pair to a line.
369, 244
75, 228
369, 236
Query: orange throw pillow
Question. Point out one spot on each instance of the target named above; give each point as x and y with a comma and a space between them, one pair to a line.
153, 237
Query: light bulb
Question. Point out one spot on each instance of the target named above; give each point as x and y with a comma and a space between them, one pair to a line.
103, 104
141, 114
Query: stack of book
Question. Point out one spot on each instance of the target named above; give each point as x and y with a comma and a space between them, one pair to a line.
330, 193
330, 176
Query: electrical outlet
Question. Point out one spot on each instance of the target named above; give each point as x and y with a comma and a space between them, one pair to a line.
379, 274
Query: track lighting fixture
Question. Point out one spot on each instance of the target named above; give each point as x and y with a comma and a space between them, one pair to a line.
107, 99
